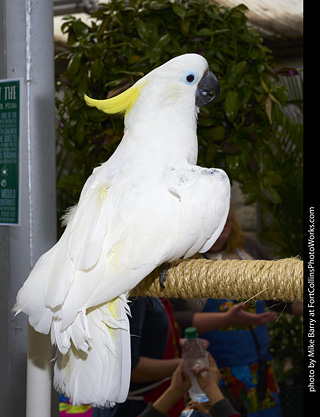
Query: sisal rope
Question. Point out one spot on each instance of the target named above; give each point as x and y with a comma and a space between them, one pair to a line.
280, 280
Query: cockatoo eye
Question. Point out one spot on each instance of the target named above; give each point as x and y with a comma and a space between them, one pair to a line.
190, 77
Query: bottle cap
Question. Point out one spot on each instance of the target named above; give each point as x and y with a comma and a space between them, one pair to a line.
190, 333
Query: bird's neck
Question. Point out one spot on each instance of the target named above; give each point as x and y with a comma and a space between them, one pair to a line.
167, 138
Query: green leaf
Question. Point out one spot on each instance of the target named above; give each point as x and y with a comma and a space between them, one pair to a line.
159, 5
210, 153
233, 165
97, 69
164, 40
80, 132
154, 55
218, 133
271, 194
220, 31
240, 69
82, 86
232, 104
74, 64
273, 178
185, 26
241, 7
138, 44
142, 30
268, 109
205, 32
179, 10
97, 116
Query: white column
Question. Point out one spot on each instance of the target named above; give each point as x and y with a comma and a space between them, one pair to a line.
39, 374
27, 53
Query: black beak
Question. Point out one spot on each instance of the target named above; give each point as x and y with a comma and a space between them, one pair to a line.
208, 89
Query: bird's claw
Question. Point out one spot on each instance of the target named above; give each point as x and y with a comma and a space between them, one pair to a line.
162, 274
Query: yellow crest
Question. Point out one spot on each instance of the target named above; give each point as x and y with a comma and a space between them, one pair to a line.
121, 103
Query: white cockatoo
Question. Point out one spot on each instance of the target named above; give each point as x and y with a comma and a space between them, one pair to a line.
147, 205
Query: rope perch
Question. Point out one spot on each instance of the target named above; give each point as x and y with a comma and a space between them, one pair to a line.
280, 280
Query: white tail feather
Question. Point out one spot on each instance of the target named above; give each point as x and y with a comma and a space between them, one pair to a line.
97, 374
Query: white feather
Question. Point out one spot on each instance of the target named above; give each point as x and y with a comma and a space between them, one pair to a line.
100, 375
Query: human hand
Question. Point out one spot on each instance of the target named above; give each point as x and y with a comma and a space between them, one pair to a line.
208, 378
201, 407
207, 375
180, 381
180, 385
238, 316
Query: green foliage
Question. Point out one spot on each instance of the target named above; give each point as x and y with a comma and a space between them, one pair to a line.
127, 39
282, 222
287, 347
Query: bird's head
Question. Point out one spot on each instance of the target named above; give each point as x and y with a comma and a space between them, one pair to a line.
185, 79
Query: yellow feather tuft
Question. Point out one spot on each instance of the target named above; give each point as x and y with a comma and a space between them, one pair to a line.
112, 306
121, 103
103, 193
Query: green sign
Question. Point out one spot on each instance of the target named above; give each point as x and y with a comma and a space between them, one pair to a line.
9, 151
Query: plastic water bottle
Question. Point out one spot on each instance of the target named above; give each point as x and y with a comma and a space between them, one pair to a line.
194, 355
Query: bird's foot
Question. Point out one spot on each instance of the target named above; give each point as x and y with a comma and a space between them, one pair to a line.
162, 275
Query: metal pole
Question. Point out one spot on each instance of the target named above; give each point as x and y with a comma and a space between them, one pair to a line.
38, 375
27, 53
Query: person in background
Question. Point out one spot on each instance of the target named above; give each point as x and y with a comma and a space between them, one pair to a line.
155, 355
237, 332
208, 379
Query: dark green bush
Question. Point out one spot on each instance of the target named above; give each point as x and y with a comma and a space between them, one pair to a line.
127, 39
